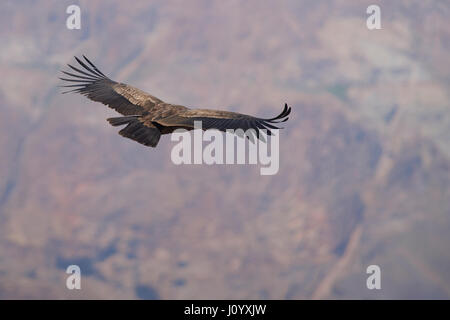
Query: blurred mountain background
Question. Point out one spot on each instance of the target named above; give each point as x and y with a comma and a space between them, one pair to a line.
364, 160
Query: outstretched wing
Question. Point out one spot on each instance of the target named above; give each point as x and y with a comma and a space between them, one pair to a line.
223, 120
91, 82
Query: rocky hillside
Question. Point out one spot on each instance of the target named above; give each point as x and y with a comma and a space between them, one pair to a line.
364, 160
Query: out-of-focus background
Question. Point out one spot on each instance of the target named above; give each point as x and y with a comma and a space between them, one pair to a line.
364, 160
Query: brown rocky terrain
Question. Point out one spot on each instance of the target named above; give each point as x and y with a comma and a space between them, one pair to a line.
364, 160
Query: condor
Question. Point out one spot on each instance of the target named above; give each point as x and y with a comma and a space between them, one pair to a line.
146, 117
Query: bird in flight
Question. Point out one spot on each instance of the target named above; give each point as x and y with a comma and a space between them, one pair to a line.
147, 117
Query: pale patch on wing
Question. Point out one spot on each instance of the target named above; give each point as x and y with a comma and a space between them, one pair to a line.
134, 95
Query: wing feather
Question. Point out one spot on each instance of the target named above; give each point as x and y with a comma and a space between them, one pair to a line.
223, 120
121, 97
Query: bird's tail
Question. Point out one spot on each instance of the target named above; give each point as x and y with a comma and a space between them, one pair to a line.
119, 121
146, 134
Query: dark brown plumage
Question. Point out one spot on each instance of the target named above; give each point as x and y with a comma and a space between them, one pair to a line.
147, 117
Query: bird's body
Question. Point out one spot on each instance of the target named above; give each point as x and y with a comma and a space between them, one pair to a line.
146, 117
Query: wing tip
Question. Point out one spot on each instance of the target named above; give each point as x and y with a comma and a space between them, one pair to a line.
282, 117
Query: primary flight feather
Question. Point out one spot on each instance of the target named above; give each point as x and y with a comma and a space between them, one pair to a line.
146, 117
